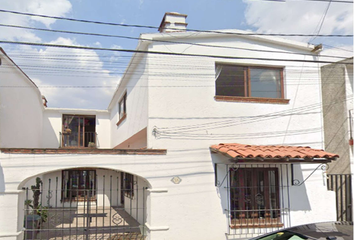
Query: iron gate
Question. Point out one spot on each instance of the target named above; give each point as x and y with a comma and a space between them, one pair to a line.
62, 209
341, 184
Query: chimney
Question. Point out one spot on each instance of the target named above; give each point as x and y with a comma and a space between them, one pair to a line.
173, 22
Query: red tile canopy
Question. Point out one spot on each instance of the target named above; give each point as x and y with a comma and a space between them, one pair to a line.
246, 152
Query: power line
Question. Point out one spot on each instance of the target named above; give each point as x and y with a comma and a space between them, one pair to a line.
153, 27
324, 1
37, 57
165, 41
322, 20
343, 49
242, 120
163, 53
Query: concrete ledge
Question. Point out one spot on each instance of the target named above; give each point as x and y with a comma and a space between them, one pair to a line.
157, 190
83, 151
12, 192
158, 228
6, 235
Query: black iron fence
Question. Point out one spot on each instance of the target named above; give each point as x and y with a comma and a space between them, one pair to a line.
81, 212
341, 184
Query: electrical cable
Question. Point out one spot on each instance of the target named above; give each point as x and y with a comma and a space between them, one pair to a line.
321, 21
324, 1
161, 53
165, 41
149, 27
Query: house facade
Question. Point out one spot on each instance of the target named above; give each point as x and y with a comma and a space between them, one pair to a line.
201, 140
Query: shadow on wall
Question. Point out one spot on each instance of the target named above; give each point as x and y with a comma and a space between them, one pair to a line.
298, 195
299, 200
49, 134
2, 180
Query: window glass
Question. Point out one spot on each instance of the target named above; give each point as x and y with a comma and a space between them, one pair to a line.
122, 106
230, 81
243, 81
265, 83
128, 185
254, 194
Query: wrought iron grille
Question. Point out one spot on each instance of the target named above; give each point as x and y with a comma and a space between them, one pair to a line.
341, 184
64, 211
258, 198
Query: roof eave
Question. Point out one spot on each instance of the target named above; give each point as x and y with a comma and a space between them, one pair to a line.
142, 45
238, 33
281, 160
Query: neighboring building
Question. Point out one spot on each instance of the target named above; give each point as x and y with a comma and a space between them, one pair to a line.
158, 156
337, 103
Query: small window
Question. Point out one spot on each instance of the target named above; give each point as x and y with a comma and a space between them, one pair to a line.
254, 82
122, 108
127, 184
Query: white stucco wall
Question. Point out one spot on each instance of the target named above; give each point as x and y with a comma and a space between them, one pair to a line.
136, 86
21, 108
183, 109
184, 118
181, 115
53, 120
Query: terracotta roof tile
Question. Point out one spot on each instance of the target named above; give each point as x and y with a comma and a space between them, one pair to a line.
236, 150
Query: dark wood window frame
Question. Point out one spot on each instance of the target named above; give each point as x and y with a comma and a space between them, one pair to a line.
79, 193
127, 185
84, 137
246, 97
122, 109
254, 198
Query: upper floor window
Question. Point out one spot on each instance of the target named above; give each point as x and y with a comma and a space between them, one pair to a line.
253, 82
122, 108
127, 185
78, 131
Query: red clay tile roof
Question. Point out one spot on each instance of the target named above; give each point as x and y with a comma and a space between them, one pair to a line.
236, 150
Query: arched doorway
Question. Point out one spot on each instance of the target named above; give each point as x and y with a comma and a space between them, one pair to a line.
85, 203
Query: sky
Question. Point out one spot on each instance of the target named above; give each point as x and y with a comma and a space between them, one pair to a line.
68, 78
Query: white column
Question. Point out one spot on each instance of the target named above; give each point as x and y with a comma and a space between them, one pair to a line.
12, 215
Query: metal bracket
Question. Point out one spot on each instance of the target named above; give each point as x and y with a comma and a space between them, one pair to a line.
296, 182
234, 166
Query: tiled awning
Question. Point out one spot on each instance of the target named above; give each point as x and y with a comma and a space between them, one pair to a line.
244, 152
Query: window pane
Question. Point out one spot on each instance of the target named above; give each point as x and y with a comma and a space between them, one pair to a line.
265, 83
230, 81
254, 193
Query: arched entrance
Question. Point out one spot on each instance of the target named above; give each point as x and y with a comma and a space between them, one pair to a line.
85, 203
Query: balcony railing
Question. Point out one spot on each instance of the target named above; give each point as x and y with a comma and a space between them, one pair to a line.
76, 139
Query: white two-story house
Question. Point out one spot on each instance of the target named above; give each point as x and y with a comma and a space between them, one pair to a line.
210, 135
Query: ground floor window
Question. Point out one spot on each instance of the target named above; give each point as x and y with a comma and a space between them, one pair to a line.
79, 184
254, 197
127, 185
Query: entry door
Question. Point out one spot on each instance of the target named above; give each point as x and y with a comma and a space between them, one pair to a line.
78, 184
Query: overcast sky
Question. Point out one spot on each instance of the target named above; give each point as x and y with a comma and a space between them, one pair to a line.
52, 68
